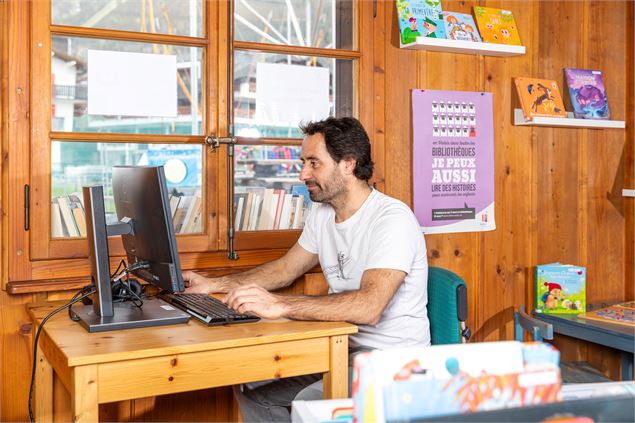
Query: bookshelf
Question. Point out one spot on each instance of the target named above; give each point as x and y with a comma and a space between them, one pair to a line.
568, 122
464, 47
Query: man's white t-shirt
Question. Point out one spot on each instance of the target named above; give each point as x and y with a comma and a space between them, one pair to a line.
382, 234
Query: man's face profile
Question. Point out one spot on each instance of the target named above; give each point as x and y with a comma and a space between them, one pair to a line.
321, 174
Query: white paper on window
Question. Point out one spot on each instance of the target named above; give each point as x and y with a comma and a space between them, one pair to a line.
131, 84
289, 94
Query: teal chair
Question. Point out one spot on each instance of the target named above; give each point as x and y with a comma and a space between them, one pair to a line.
447, 307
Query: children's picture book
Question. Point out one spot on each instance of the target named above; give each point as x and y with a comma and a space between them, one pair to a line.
623, 314
560, 289
539, 97
460, 26
587, 93
496, 26
419, 18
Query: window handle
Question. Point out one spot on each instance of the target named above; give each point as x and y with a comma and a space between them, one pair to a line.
213, 142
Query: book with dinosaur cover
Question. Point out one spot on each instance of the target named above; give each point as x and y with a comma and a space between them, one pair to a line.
496, 26
419, 18
460, 26
587, 93
539, 97
560, 289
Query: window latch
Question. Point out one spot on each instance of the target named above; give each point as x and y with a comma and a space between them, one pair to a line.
213, 142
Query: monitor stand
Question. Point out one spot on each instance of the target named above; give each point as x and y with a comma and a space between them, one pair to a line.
154, 312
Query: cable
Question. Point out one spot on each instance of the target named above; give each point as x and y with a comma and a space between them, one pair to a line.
37, 337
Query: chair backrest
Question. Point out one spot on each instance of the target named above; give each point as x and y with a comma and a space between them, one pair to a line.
523, 322
447, 305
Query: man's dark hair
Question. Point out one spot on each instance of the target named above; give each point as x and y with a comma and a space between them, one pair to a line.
345, 138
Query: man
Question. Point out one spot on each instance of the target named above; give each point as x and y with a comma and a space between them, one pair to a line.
371, 251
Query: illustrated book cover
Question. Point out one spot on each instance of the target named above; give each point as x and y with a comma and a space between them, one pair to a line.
497, 26
419, 18
539, 97
560, 289
587, 93
460, 26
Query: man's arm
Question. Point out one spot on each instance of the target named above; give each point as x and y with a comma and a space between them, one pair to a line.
363, 306
272, 275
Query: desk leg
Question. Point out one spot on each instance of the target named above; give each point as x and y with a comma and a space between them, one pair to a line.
627, 365
336, 380
43, 389
84, 394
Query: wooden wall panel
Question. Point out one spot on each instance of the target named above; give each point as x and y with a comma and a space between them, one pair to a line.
507, 253
557, 190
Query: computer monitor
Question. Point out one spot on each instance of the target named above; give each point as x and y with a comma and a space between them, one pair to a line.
145, 224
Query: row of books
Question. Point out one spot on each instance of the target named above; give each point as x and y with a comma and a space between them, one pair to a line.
68, 218
267, 152
258, 209
426, 18
541, 97
187, 213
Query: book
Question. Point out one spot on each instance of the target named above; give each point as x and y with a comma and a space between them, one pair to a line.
77, 208
460, 26
539, 97
587, 93
193, 211
560, 289
57, 226
419, 18
174, 203
496, 26
67, 216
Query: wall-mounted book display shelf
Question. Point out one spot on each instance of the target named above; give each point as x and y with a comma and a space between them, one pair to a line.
568, 122
464, 47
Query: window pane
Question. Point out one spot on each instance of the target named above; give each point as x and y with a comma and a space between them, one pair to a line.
178, 17
268, 194
253, 117
325, 23
78, 164
69, 76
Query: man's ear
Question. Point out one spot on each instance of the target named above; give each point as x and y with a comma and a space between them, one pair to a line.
349, 166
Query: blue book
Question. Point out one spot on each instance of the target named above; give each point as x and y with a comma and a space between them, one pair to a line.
304, 191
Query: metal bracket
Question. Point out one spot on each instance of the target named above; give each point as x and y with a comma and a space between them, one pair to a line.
214, 142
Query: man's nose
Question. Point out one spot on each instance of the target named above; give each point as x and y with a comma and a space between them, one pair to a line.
305, 173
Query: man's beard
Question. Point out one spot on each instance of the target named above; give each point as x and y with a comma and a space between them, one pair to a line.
321, 195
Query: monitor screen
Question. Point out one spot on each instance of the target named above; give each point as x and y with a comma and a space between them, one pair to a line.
145, 224
141, 194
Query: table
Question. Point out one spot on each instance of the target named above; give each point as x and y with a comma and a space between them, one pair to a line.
135, 363
616, 336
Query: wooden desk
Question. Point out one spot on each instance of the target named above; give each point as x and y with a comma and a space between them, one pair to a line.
619, 337
120, 365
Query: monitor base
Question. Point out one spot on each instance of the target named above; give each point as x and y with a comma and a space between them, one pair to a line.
154, 312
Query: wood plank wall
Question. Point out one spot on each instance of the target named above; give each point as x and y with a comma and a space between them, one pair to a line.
558, 191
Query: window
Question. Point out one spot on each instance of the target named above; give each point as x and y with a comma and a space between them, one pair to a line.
294, 61
126, 84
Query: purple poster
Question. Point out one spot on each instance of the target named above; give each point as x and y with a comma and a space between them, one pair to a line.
453, 161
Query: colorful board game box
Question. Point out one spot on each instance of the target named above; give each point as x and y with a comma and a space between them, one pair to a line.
415, 383
419, 18
587, 93
560, 289
460, 26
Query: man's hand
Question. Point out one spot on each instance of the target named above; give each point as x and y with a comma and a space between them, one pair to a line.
256, 300
196, 284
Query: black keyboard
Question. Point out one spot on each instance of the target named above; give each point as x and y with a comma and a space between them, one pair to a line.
207, 309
